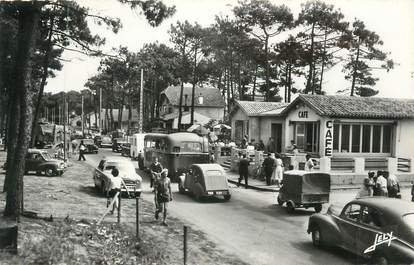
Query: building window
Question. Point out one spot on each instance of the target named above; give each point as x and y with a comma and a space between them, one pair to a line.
307, 136
358, 138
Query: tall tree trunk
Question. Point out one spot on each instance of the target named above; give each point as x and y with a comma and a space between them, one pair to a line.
228, 90
267, 93
323, 60
255, 81
309, 85
45, 67
194, 84
28, 18
354, 74
290, 83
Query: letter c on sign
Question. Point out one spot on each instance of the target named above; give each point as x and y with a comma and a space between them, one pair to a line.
329, 124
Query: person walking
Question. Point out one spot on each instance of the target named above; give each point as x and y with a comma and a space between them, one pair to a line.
309, 163
270, 146
163, 195
115, 186
278, 172
243, 170
155, 168
82, 149
382, 184
140, 160
366, 189
268, 165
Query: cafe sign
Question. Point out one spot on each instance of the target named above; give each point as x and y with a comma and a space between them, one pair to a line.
328, 138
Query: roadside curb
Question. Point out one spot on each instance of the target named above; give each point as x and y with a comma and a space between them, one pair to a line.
253, 187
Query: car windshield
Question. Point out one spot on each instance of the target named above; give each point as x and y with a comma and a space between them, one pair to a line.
408, 219
88, 141
190, 147
46, 156
121, 166
211, 173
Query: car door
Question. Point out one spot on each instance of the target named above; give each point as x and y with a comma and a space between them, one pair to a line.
30, 161
97, 176
348, 223
372, 223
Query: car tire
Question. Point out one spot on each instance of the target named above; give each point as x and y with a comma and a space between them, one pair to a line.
318, 208
317, 238
50, 172
290, 207
227, 197
181, 188
279, 201
379, 259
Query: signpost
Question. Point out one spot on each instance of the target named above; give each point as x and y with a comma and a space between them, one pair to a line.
328, 138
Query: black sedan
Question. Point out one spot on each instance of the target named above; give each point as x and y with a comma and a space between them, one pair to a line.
91, 147
377, 228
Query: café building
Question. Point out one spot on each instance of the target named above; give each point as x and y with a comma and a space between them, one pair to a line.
348, 133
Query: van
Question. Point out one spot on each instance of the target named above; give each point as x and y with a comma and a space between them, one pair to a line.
137, 144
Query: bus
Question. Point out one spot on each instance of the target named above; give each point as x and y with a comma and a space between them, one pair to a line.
176, 151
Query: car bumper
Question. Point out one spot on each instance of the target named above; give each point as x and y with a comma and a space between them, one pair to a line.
217, 192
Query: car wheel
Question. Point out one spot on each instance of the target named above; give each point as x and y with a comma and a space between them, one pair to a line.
379, 259
49, 172
290, 208
279, 201
181, 188
318, 208
317, 238
227, 197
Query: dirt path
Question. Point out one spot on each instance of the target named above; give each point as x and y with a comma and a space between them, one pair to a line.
73, 196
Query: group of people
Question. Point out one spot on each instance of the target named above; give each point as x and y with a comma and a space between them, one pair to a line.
381, 183
160, 182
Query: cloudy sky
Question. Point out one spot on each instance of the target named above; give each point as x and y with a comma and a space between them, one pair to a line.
392, 20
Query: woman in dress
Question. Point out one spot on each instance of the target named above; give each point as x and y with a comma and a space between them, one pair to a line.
278, 172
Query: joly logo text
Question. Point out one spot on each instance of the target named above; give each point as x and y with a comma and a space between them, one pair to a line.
379, 240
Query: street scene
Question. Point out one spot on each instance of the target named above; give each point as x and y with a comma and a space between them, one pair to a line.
206, 132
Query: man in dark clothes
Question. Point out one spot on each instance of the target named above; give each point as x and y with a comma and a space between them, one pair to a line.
243, 170
140, 161
268, 165
155, 167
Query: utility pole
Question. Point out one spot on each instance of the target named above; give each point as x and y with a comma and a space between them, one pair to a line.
100, 110
59, 119
82, 117
64, 131
141, 100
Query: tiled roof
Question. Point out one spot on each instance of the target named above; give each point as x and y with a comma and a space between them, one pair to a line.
256, 108
357, 107
211, 96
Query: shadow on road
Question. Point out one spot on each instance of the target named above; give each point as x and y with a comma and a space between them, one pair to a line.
90, 190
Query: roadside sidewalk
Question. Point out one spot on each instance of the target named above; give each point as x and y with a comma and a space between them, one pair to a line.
260, 185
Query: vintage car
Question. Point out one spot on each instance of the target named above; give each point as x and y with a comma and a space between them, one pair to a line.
126, 149
378, 228
40, 161
97, 140
117, 144
102, 175
203, 180
106, 141
304, 189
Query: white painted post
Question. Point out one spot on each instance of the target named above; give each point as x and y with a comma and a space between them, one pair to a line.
392, 165
359, 167
325, 164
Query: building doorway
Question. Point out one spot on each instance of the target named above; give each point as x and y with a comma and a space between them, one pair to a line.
276, 133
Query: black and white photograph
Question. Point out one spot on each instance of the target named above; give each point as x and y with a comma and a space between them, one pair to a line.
204, 132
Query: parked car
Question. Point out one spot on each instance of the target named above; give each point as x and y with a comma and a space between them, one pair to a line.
378, 228
102, 175
205, 180
106, 141
40, 161
126, 149
97, 140
117, 144
91, 147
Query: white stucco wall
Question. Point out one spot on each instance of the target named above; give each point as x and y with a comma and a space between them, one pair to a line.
404, 138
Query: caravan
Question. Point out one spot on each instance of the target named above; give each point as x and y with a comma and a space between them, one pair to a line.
137, 144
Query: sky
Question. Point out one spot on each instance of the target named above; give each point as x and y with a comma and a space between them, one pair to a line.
392, 20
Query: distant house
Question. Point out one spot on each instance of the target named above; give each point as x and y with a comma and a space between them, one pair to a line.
209, 103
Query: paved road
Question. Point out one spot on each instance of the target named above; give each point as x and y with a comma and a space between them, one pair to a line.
252, 226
